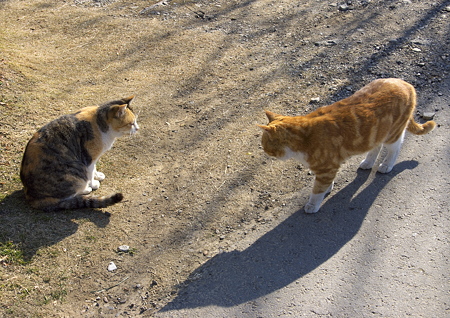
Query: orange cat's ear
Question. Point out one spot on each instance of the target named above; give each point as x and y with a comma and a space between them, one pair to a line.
271, 116
265, 128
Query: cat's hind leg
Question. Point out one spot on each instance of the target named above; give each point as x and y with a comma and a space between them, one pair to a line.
370, 159
323, 184
392, 153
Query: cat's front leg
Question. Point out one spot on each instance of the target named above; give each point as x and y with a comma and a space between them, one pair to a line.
87, 189
323, 184
91, 173
100, 176
315, 200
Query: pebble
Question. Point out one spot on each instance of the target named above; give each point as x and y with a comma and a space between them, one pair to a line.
314, 100
112, 267
428, 115
124, 248
327, 42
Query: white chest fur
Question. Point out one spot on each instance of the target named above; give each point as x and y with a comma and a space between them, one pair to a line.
108, 140
300, 156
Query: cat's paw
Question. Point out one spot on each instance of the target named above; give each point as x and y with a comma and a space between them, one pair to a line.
311, 208
366, 165
95, 184
99, 176
384, 168
87, 190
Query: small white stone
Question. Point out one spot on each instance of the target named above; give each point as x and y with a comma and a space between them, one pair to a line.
112, 267
124, 248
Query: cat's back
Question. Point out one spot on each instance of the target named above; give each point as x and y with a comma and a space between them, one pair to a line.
383, 88
58, 145
377, 98
379, 92
66, 130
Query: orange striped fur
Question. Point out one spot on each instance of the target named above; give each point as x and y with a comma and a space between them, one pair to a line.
376, 115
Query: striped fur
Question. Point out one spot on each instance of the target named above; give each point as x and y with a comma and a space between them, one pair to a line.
59, 164
376, 115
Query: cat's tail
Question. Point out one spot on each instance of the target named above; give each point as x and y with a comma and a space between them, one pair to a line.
420, 129
76, 202
93, 202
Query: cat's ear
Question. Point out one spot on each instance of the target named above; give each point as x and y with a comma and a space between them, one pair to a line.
127, 100
120, 110
265, 128
271, 116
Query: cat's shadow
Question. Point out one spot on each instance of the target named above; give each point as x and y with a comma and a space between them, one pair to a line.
29, 230
291, 250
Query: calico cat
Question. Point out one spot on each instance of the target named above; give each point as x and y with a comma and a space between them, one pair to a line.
58, 166
376, 115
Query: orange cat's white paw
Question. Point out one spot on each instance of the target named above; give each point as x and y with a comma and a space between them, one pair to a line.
99, 176
311, 208
365, 164
384, 168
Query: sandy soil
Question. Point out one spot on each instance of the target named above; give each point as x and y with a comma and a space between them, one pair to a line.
215, 227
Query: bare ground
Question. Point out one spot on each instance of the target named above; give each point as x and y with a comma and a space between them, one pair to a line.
215, 227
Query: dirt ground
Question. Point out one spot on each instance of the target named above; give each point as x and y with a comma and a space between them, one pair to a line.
211, 221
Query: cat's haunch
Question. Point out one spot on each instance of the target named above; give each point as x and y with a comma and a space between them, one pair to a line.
376, 115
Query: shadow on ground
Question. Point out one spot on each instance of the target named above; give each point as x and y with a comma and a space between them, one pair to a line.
31, 230
294, 248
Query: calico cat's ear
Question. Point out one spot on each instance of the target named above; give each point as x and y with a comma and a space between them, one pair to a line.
271, 116
119, 110
127, 100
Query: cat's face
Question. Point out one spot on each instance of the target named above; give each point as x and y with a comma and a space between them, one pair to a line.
271, 139
123, 121
271, 144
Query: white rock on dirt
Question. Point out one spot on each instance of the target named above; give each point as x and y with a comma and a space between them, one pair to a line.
112, 267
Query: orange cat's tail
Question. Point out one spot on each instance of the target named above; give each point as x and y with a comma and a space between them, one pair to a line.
420, 129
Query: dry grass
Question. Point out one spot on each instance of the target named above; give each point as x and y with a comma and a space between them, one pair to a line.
195, 173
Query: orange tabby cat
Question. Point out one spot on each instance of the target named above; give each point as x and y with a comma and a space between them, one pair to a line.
59, 164
376, 115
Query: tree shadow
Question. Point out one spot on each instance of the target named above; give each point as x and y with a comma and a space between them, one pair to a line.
294, 248
31, 229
